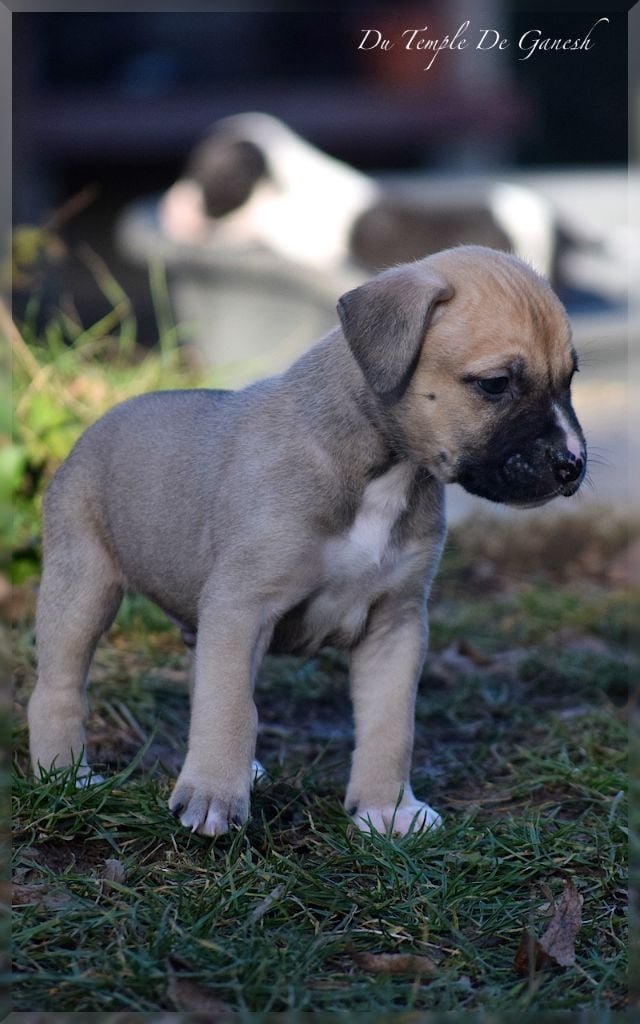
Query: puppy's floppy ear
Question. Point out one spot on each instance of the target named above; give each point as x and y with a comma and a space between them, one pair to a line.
385, 322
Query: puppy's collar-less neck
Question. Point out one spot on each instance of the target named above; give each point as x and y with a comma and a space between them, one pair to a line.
394, 448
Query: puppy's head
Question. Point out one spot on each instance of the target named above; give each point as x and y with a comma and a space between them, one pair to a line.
469, 354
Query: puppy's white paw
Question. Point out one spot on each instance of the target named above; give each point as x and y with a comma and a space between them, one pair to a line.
200, 810
87, 777
397, 820
258, 773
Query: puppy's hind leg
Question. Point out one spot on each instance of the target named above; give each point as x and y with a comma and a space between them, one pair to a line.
80, 593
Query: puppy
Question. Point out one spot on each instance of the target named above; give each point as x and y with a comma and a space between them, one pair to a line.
306, 510
253, 183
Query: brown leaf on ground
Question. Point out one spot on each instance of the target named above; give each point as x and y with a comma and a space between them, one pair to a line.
42, 894
264, 906
5, 590
449, 665
113, 871
576, 642
559, 939
17, 603
557, 945
624, 570
396, 963
189, 996
461, 659
530, 955
473, 654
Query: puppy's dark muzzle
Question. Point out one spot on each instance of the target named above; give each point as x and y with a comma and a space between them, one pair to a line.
548, 472
528, 477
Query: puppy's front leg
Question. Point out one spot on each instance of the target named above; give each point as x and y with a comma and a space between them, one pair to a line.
385, 668
213, 786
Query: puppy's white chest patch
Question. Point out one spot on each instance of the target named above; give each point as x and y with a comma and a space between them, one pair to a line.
359, 565
368, 539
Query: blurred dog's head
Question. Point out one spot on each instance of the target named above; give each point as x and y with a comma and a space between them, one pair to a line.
469, 353
227, 168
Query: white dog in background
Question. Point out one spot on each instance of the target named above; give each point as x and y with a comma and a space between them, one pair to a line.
253, 183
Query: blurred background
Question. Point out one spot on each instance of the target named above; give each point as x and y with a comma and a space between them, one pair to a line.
484, 146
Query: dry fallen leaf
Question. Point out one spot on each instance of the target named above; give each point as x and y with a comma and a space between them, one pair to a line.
113, 871
557, 945
559, 939
265, 905
530, 955
624, 570
473, 654
17, 603
396, 963
48, 896
190, 996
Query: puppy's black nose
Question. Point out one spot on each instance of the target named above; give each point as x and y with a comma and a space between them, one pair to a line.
567, 468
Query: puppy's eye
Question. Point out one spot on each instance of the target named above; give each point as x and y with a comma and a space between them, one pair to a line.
493, 386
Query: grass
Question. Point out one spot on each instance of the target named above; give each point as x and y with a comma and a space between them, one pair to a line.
520, 743
64, 377
524, 756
